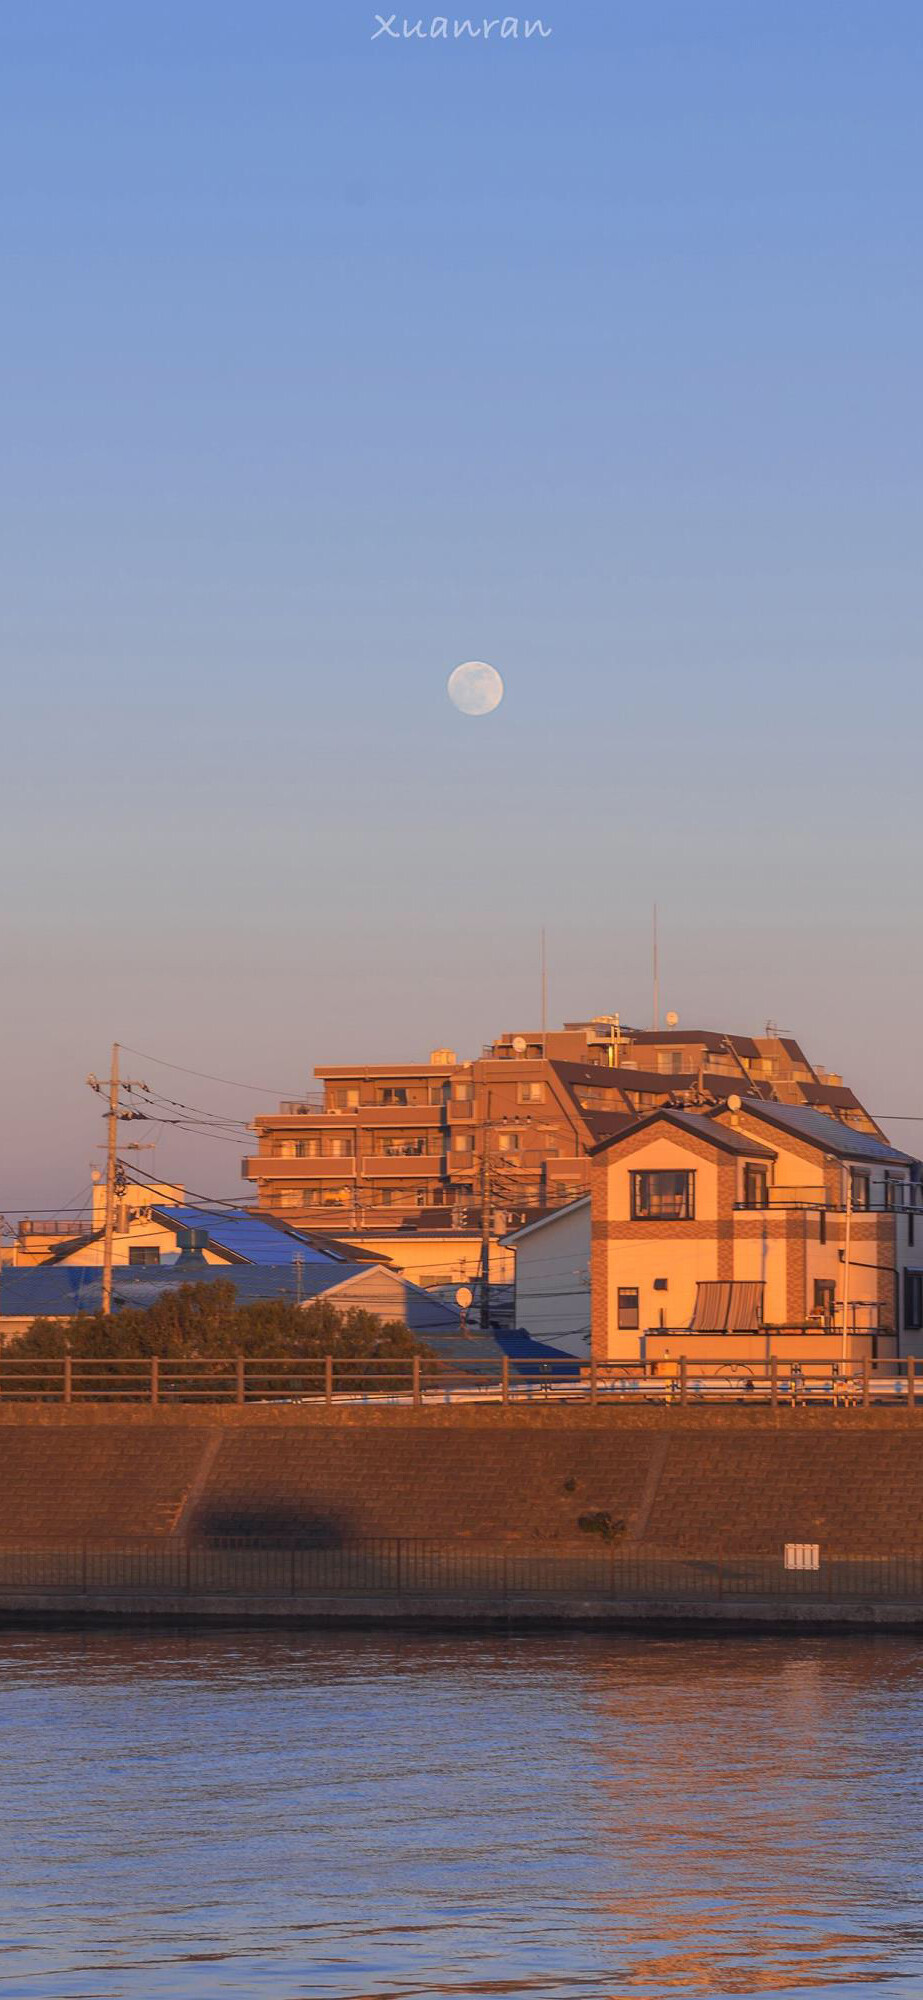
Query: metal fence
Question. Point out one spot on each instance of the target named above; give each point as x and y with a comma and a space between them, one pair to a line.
773, 1380
431, 1571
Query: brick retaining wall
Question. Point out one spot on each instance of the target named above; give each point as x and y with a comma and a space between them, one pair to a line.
691, 1481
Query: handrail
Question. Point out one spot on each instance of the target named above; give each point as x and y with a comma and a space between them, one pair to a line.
807, 1377
150, 1572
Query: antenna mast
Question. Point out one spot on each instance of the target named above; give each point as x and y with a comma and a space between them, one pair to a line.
655, 968
544, 991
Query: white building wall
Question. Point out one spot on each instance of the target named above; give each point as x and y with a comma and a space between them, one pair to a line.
553, 1279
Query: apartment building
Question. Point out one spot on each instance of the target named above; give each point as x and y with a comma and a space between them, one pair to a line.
752, 1227
413, 1144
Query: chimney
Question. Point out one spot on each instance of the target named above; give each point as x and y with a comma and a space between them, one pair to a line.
191, 1249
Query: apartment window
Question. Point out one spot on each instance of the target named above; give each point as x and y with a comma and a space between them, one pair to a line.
463, 1142
861, 1190
530, 1093
662, 1197
509, 1142
339, 1149
344, 1097
307, 1149
436, 1093
330, 1197
913, 1301
143, 1253
628, 1308
396, 1095
756, 1187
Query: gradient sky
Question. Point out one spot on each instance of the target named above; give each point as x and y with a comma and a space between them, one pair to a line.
327, 364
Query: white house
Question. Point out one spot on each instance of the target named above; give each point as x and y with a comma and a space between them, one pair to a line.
553, 1277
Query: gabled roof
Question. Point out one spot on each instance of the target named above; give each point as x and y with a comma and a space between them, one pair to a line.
239, 1235
819, 1129
700, 1125
254, 1239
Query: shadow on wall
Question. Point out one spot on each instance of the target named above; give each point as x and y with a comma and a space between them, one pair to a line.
272, 1525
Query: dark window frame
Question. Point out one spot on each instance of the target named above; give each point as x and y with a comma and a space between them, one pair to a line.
913, 1301
624, 1311
644, 1195
825, 1297
756, 1176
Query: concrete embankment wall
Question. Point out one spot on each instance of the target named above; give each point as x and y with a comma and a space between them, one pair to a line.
711, 1483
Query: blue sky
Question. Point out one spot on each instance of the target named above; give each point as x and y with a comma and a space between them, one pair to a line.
327, 364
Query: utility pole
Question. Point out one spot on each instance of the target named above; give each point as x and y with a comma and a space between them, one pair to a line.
111, 1165
846, 1250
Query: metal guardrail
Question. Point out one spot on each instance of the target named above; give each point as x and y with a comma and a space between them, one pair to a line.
431, 1570
419, 1380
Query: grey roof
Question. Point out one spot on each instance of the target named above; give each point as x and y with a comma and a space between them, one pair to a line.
701, 1125
821, 1130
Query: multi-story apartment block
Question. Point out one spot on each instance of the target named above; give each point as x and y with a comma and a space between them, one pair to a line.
418, 1143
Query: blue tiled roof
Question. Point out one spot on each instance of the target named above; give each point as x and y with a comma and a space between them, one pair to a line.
58, 1290
256, 1238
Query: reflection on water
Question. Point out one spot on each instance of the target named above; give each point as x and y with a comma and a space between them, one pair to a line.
350, 1816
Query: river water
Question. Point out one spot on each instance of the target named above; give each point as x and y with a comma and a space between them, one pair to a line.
349, 1816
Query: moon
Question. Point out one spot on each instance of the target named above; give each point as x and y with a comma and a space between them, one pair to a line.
475, 688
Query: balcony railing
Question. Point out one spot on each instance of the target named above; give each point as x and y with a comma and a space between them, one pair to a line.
895, 1201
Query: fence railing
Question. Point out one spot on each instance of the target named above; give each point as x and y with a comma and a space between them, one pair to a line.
328, 1379
433, 1571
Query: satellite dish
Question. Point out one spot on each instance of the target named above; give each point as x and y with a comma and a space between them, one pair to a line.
735, 1103
672, 1020
464, 1297
519, 1044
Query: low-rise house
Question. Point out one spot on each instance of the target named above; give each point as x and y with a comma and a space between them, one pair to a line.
59, 1291
153, 1224
758, 1227
552, 1280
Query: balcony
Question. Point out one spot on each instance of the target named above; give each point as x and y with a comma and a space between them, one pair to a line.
430, 1116
895, 1200
323, 1167
400, 1166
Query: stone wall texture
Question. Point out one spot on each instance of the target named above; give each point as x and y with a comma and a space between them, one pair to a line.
692, 1482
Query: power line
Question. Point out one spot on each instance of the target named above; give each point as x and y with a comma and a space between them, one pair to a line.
258, 1089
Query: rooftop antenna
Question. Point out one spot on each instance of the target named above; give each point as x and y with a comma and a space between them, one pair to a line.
655, 968
544, 990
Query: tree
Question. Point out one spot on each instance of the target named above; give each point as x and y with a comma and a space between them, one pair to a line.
207, 1322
